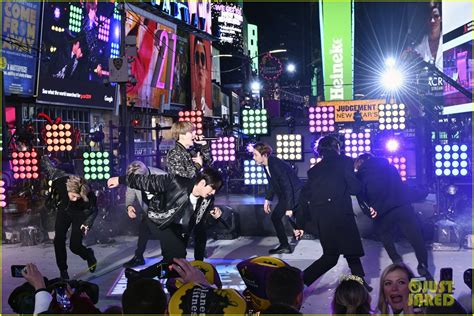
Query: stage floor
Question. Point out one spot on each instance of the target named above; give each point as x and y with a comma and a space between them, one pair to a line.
225, 254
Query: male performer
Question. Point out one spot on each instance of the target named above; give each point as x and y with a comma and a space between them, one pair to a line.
330, 184
141, 198
176, 206
385, 198
181, 162
283, 182
76, 207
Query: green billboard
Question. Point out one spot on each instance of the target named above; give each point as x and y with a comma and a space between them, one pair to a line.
336, 20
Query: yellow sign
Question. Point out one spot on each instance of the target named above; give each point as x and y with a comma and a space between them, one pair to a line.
344, 110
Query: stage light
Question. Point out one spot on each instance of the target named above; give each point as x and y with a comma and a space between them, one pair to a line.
223, 149
357, 143
392, 116
250, 148
255, 122
451, 160
194, 117
114, 50
289, 146
400, 163
291, 68
104, 28
96, 165
3, 194
392, 79
254, 174
321, 119
390, 62
25, 165
313, 161
392, 145
59, 137
255, 86
75, 18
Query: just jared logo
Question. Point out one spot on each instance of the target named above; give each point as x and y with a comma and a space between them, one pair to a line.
430, 293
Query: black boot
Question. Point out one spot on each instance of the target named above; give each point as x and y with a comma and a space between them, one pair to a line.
91, 260
423, 271
64, 275
134, 262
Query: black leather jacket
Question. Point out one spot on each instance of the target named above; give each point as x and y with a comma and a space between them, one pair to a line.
171, 192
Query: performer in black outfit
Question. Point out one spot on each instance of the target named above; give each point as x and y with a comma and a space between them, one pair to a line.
132, 198
385, 198
283, 182
330, 185
75, 206
177, 205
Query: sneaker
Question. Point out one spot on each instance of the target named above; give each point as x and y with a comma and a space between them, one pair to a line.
91, 261
280, 249
134, 262
64, 275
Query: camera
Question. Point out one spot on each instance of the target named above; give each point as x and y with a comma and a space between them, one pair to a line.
17, 270
62, 297
166, 271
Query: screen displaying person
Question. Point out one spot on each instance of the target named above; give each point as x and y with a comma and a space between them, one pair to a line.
431, 46
73, 62
201, 73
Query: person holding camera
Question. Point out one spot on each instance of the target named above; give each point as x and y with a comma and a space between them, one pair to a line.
185, 160
176, 207
133, 197
76, 206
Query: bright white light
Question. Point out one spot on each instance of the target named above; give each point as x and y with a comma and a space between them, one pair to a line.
291, 68
392, 79
255, 86
390, 62
392, 145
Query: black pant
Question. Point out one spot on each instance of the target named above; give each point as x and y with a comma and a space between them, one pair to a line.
144, 235
172, 241
406, 219
326, 263
200, 240
277, 216
64, 219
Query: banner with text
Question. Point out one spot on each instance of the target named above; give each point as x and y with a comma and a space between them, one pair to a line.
19, 46
337, 49
344, 110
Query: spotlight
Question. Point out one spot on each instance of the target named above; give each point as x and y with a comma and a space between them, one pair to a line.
356, 144
193, 117
25, 165
223, 149
451, 160
291, 68
392, 116
255, 86
392, 79
255, 122
59, 137
254, 174
390, 62
289, 147
400, 163
321, 119
452, 189
392, 145
96, 165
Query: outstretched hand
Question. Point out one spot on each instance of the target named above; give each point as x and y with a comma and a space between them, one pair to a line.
113, 182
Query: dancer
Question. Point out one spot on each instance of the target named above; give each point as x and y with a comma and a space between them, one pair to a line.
385, 199
133, 197
181, 206
76, 207
330, 184
283, 182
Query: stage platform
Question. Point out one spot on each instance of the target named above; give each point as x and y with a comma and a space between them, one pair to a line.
225, 254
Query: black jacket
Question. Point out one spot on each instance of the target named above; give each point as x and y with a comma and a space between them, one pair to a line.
283, 182
170, 203
382, 187
331, 182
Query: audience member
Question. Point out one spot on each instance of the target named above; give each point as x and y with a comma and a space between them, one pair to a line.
394, 291
351, 297
285, 287
144, 296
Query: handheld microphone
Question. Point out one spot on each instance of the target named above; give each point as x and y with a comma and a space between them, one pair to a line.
208, 138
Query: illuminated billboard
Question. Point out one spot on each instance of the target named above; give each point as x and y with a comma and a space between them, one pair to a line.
19, 46
180, 93
458, 29
227, 25
344, 110
154, 65
201, 84
336, 19
78, 40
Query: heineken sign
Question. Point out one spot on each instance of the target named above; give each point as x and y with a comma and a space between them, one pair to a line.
336, 33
